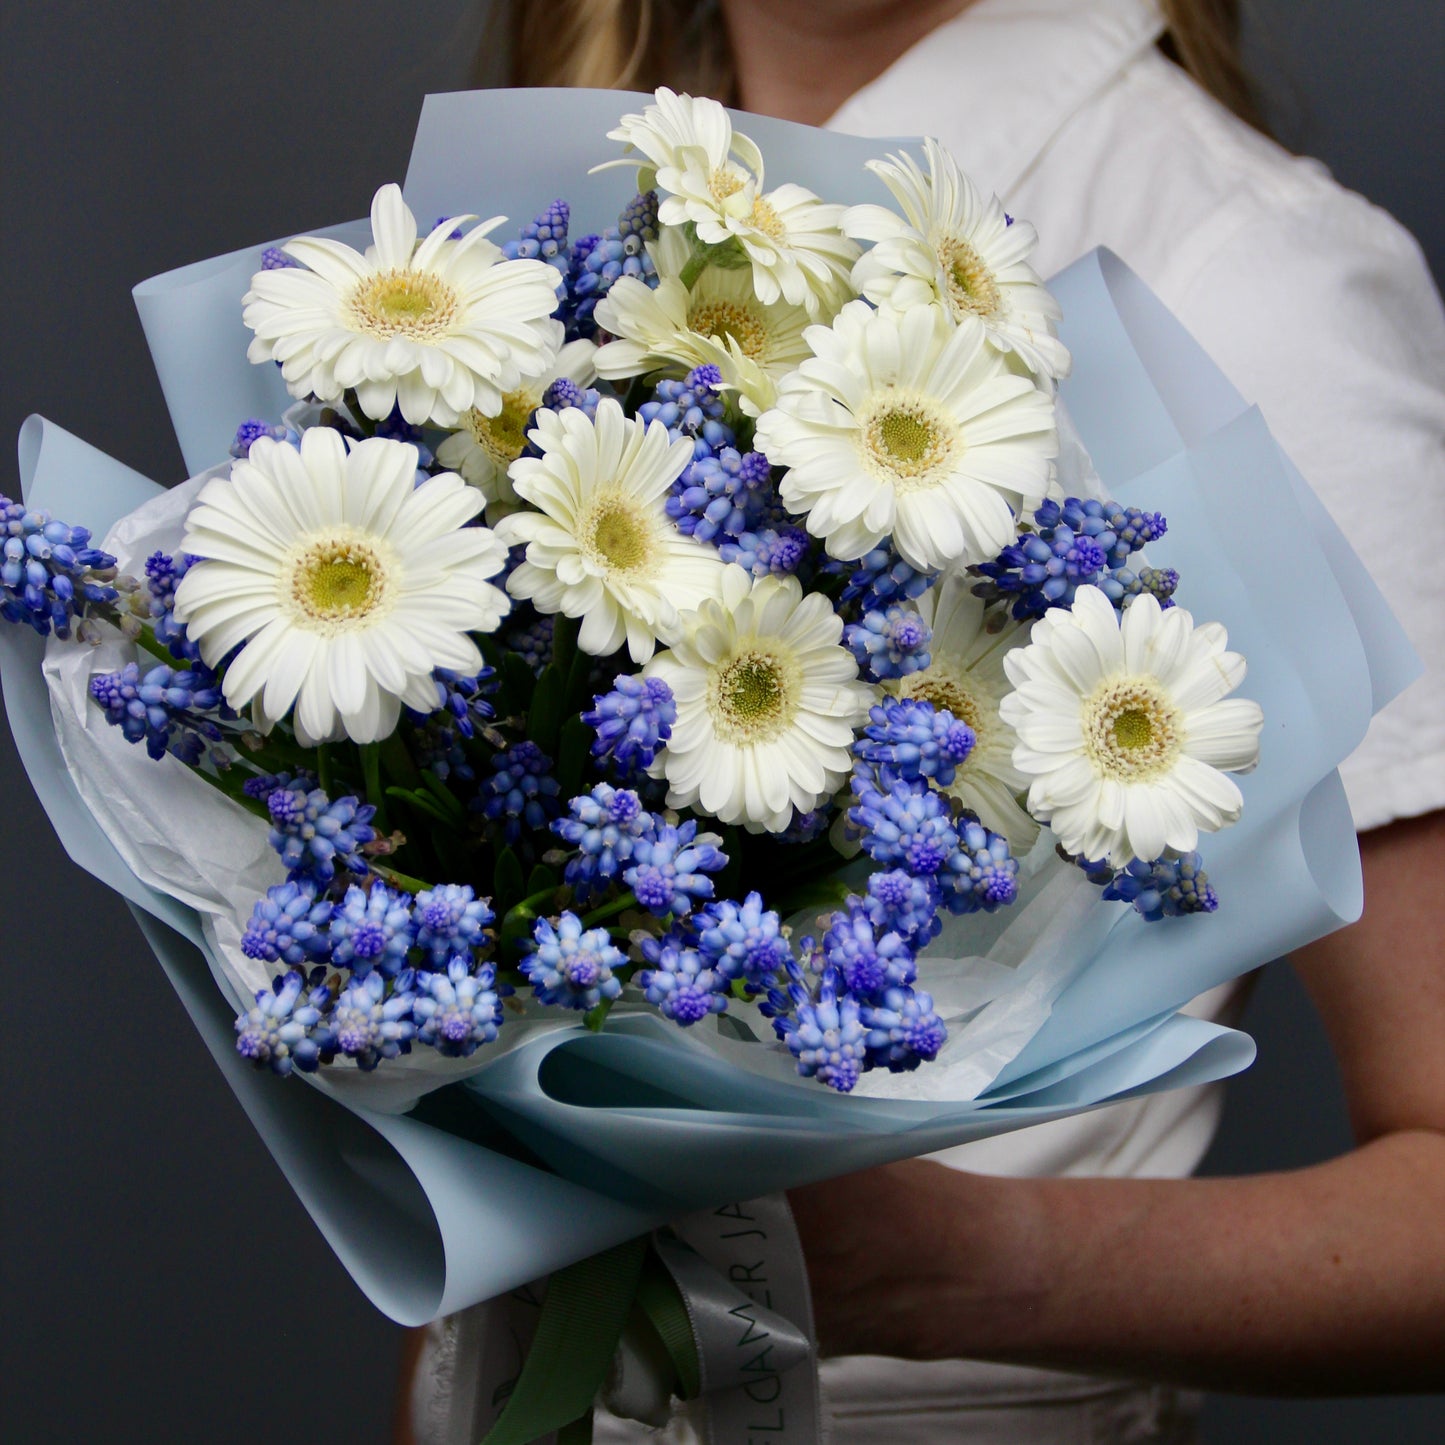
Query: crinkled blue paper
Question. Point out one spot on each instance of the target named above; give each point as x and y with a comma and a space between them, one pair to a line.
577, 1140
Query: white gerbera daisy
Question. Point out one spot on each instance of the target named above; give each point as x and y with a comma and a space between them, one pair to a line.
441, 328
1125, 728
718, 321
600, 545
959, 250
346, 582
908, 424
486, 446
966, 677
713, 179
767, 704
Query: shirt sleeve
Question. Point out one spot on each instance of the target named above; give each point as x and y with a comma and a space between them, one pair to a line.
1322, 311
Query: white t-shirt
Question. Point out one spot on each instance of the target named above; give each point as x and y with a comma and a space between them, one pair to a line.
1319, 307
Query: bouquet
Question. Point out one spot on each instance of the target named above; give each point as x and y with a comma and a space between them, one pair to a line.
651, 715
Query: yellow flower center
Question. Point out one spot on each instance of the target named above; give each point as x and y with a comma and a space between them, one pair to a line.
503, 436
730, 321
909, 442
332, 583
1132, 730
617, 535
724, 183
414, 304
764, 218
752, 695
971, 285
948, 695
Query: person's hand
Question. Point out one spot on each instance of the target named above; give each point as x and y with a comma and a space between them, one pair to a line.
893, 1252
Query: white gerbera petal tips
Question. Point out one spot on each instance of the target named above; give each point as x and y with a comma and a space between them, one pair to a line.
767, 703
1125, 728
439, 328
908, 424
600, 545
346, 583
960, 251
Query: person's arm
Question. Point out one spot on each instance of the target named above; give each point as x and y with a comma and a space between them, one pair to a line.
1323, 1280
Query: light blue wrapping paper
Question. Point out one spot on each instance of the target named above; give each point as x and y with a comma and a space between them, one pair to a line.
622, 1129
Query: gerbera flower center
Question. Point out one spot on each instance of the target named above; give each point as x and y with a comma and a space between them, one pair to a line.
909, 442
1131, 730
336, 581
971, 286
764, 218
730, 322
504, 436
414, 304
724, 183
617, 535
751, 695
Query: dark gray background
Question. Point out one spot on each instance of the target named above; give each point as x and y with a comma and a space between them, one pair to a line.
162, 1282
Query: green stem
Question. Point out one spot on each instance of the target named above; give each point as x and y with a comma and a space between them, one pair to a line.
594, 1018
401, 880
610, 910
323, 767
371, 778
565, 631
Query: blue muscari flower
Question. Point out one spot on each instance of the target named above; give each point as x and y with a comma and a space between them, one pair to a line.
313, 834
372, 929
544, 238
722, 496
692, 409
679, 982
867, 959
903, 1030
449, 920
914, 740
1122, 584
570, 966
372, 1019
905, 904
881, 578
632, 722
604, 826
742, 940
825, 1033
163, 576
273, 258
458, 1011
532, 642
252, 430
287, 1027
903, 824
1166, 888
288, 925
981, 873
890, 643
770, 551
1074, 543
669, 867
261, 785
521, 791
464, 697
169, 710
597, 262
804, 827
49, 572
564, 393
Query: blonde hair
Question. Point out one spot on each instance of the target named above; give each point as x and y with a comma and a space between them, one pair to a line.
640, 44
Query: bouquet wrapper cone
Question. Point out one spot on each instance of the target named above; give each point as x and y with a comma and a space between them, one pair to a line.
575, 1141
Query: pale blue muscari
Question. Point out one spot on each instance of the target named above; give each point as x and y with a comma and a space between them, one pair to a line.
632, 1119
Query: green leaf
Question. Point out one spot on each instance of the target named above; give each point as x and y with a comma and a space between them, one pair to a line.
544, 716
444, 797
507, 880
516, 687
541, 880
572, 755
